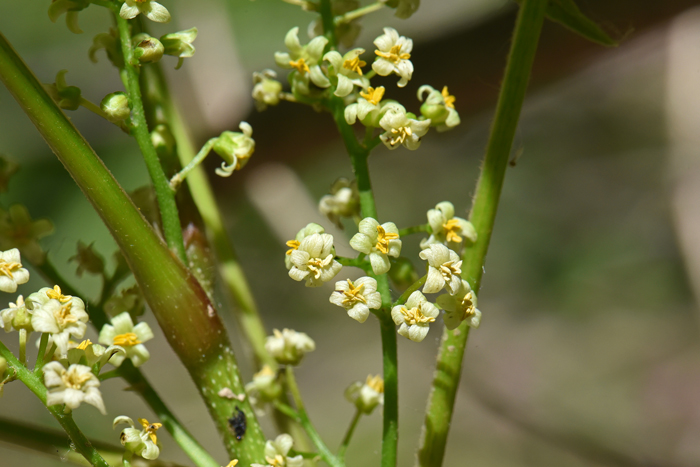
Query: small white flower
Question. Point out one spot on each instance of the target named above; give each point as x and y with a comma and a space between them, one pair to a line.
393, 56
402, 130
264, 387
343, 201
314, 260
311, 228
266, 89
439, 107
60, 315
141, 442
11, 271
448, 229
348, 70
377, 241
289, 347
415, 316
276, 453
152, 10
366, 396
235, 149
357, 297
16, 316
72, 386
459, 307
443, 271
305, 60
123, 333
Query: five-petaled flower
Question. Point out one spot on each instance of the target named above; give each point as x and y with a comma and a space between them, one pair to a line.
314, 260
439, 107
357, 297
60, 315
443, 269
454, 232
72, 386
289, 347
311, 228
348, 70
305, 59
400, 129
377, 241
277, 453
460, 307
366, 396
11, 271
16, 316
152, 10
415, 316
123, 333
393, 56
141, 442
370, 108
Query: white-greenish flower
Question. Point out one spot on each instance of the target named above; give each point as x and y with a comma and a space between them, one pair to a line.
357, 297
16, 316
393, 56
71, 9
439, 107
366, 396
235, 149
289, 347
276, 453
266, 89
152, 10
72, 386
60, 315
305, 60
87, 353
147, 49
141, 442
123, 333
314, 260
415, 316
377, 241
264, 387
179, 44
460, 307
293, 245
369, 101
348, 69
400, 129
343, 201
11, 271
444, 269
116, 106
454, 232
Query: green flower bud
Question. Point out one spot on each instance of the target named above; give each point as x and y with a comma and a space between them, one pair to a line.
67, 97
179, 44
163, 140
147, 49
116, 106
266, 89
235, 149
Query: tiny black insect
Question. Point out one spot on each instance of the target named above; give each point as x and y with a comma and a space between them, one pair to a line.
237, 423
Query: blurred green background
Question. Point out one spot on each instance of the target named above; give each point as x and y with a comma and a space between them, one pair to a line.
588, 350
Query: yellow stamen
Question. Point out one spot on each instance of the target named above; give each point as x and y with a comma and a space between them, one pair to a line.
233, 463
383, 238
355, 65
452, 227
277, 461
57, 295
450, 268
151, 429
415, 316
266, 371
300, 65
293, 245
6, 269
84, 344
468, 306
126, 340
373, 95
449, 100
353, 294
316, 265
375, 382
73, 380
394, 55
63, 315
399, 135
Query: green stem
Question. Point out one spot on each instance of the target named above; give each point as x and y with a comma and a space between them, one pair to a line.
139, 129
449, 363
407, 293
359, 13
23, 346
326, 11
35, 384
348, 435
126, 458
43, 342
358, 262
414, 229
179, 177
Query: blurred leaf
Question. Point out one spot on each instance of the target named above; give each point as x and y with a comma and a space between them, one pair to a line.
7, 170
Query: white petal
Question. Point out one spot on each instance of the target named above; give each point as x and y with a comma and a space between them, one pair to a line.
380, 263
435, 282
383, 67
291, 40
396, 315
7, 285
298, 274
158, 13
129, 12
417, 333
362, 243
143, 331
359, 312
345, 86
335, 59
368, 226
318, 78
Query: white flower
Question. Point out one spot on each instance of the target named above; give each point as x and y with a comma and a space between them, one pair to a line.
366, 396
123, 333
266, 89
439, 107
415, 316
16, 316
305, 60
377, 241
459, 307
443, 271
357, 297
141, 442
348, 69
11, 271
153, 10
402, 130
60, 315
343, 201
235, 149
276, 453
72, 386
288, 347
264, 387
448, 229
393, 56
314, 260
311, 228
87, 352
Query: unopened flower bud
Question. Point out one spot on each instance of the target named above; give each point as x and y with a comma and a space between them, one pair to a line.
366, 396
147, 49
116, 106
179, 44
266, 90
67, 97
163, 140
235, 149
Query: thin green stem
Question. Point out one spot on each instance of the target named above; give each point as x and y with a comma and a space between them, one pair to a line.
179, 177
359, 262
348, 435
326, 11
43, 342
483, 214
407, 293
23, 346
359, 13
414, 229
126, 458
139, 129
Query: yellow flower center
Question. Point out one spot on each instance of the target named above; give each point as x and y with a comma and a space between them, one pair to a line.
354, 65
353, 294
300, 65
450, 269
383, 238
64, 316
233, 463
468, 306
151, 429
84, 344
373, 95
394, 55
75, 380
415, 316
293, 245
375, 382
6, 269
452, 227
399, 135
126, 340
449, 100
316, 265
266, 370
277, 461
57, 295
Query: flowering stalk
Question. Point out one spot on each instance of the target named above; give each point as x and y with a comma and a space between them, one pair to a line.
483, 214
348, 435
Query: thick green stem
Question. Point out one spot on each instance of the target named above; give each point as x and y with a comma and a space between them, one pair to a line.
449, 363
348, 435
139, 129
